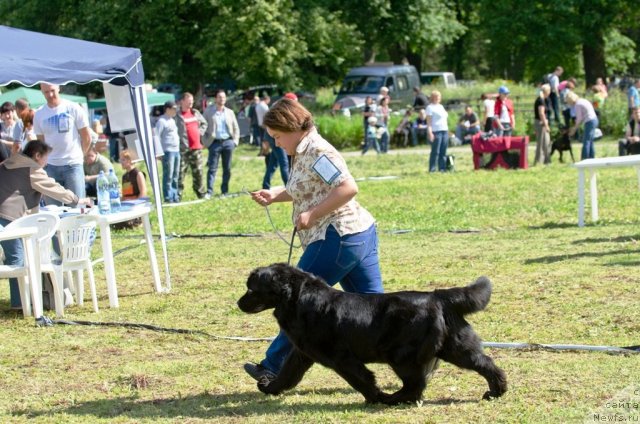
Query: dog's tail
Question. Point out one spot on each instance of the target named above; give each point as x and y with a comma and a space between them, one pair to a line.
466, 300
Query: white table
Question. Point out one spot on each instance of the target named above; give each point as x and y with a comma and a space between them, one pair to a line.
104, 222
31, 261
592, 165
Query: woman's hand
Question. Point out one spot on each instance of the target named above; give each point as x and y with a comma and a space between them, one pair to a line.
305, 220
262, 197
84, 202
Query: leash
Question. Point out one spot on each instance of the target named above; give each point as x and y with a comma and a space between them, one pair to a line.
47, 322
293, 235
275, 229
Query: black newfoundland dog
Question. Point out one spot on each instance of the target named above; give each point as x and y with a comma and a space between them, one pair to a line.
344, 331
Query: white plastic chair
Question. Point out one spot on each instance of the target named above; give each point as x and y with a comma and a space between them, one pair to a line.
74, 237
46, 225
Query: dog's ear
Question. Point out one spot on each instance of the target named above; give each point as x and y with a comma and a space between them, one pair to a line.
277, 277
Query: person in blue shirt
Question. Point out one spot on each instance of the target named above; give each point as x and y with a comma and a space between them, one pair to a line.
167, 132
633, 96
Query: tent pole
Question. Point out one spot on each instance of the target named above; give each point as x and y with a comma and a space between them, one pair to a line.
143, 126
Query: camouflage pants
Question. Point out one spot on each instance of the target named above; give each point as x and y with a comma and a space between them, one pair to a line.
193, 159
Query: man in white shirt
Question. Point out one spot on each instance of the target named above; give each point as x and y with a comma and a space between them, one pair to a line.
261, 109
554, 82
64, 126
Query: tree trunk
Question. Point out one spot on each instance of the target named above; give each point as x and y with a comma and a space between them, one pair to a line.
455, 52
454, 56
415, 59
593, 57
369, 54
397, 53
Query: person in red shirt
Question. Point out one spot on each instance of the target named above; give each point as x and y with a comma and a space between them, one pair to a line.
191, 128
504, 119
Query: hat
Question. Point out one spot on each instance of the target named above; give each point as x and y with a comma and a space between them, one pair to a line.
170, 104
290, 96
372, 120
503, 89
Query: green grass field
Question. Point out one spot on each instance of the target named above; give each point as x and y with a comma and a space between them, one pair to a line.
553, 283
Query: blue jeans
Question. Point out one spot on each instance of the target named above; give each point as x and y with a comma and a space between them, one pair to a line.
416, 133
370, 142
438, 156
70, 177
256, 131
277, 157
462, 132
352, 260
14, 255
114, 149
170, 176
507, 131
384, 141
217, 149
589, 133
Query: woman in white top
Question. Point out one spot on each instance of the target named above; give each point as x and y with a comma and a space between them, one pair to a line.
438, 132
585, 114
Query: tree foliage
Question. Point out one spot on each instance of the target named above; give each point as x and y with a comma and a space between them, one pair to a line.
312, 43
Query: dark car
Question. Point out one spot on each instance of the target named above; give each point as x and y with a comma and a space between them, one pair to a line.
366, 81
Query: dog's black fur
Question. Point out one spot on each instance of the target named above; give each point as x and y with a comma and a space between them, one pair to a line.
562, 143
344, 331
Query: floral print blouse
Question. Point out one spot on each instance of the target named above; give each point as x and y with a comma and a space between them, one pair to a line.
317, 168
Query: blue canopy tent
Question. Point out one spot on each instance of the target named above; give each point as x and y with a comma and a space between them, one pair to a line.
60, 60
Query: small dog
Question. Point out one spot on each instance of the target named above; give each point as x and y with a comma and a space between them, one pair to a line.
408, 330
562, 143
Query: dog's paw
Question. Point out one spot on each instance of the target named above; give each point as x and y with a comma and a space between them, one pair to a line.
491, 396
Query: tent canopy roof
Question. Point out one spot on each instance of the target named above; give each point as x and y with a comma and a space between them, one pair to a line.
35, 97
61, 60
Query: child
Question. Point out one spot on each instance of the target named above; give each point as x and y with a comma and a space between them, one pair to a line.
371, 135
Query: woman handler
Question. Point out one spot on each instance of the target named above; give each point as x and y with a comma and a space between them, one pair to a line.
337, 234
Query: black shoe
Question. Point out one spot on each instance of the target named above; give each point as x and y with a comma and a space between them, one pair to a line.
259, 373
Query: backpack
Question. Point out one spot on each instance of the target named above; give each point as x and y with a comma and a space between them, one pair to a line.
547, 78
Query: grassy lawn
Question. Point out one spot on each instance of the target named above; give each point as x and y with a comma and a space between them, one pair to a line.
553, 283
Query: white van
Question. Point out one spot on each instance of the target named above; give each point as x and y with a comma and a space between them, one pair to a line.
446, 79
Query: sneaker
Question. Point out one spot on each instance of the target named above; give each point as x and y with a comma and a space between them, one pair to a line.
259, 373
207, 196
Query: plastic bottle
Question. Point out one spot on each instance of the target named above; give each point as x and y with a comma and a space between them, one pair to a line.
104, 198
114, 191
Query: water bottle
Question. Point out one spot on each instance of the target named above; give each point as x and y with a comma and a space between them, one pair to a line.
114, 191
104, 198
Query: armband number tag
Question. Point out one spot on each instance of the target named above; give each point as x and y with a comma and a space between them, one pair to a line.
326, 169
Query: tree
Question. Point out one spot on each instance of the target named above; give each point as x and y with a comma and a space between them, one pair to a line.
400, 29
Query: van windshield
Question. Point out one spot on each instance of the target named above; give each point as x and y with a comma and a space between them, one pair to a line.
361, 84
